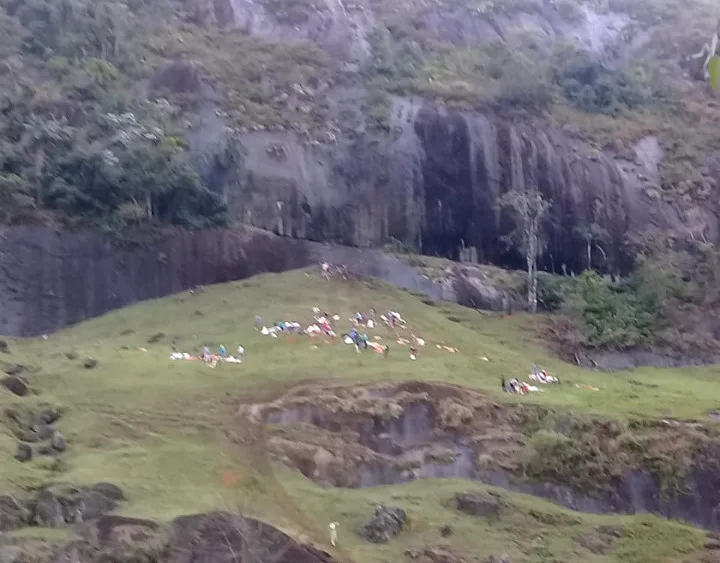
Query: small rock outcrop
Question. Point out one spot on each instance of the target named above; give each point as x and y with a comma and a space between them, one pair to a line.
225, 538
210, 538
13, 515
482, 504
439, 555
48, 510
49, 416
386, 523
80, 504
57, 441
36, 432
24, 452
58, 507
16, 384
110, 491
14, 369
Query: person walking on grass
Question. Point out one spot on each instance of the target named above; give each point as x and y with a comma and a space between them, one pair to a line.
241, 352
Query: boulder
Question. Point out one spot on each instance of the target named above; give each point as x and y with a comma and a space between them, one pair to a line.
446, 531
46, 449
109, 490
43, 431
14, 369
4, 347
95, 504
90, 363
24, 452
58, 441
478, 504
439, 555
48, 510
82, 503
215, 537
49, 416
12, 514
17, 385
219, 537
386, 523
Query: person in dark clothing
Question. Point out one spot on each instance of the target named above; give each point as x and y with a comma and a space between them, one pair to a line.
386, 351
502, 383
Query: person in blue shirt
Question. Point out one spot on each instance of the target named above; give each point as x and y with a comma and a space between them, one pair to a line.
223, 351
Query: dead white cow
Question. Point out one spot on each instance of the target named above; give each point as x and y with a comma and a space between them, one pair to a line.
333, 533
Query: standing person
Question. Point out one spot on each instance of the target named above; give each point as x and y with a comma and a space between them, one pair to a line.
386, 351
241, 352
223, 351
206, 354
258, 322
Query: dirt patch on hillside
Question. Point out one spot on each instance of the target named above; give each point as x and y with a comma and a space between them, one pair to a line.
370, 435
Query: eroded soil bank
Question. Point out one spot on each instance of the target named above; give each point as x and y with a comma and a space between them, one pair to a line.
371, 435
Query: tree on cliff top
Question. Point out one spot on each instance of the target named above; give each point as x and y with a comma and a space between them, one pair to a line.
528, 209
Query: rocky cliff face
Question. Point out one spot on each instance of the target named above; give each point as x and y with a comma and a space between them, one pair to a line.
432, 179
433, 182
50, 280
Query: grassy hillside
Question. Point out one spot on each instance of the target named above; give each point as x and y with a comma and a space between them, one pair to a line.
166, 431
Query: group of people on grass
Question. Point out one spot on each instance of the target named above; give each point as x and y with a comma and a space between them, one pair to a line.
209, 357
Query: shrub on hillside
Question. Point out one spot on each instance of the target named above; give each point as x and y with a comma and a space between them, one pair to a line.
594, 88
553, 291
616, 314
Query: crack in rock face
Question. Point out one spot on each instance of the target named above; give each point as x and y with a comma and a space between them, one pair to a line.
366, 436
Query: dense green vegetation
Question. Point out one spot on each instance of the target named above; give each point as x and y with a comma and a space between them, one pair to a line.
74, 73
611, 104
82, 142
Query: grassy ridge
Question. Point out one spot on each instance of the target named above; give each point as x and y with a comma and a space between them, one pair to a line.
166, 431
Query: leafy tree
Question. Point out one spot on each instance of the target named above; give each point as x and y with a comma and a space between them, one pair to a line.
42, 138
618, 315
223, 166
593, 236
528, 209
593, 87
84, 183
145, 181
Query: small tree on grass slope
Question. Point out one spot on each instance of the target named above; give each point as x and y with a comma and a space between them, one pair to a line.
528, 209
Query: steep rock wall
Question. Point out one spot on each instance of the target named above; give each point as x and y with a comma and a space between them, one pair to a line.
49, 280
434, 180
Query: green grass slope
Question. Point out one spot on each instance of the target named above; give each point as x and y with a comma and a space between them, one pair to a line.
166, 430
